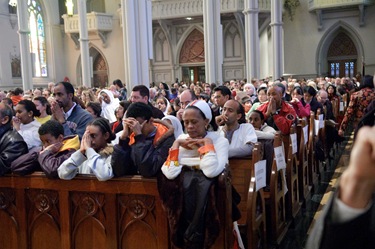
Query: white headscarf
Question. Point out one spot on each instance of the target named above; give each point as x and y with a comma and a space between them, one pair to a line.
176, 125
108, 110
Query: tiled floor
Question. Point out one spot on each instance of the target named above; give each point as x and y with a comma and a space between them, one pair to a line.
298, 231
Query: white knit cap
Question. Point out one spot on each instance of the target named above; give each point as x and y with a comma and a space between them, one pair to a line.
204, 107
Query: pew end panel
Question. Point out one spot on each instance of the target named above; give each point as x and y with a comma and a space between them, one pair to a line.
303, 171
275, 199
252, 206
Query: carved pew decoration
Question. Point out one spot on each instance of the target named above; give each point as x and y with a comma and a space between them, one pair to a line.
123, 212
277, 223
303, 171
292, 197
252, 206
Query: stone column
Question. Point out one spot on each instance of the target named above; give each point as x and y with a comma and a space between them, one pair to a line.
251, 12
277, 38
23, 32
84, 43
137, 36
213, 41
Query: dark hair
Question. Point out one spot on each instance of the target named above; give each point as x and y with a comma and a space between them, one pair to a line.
310, 90
368, 81
166, 87
143, 90
52, 127
30, 107
139, 110
262, 89
224, 90
96, 107
118, 82
260, 114
104, 127
45, 103
125, 104
204, 96
334, 88
9, 101
68, 87
241, 110
298, 90
6, 111
18, 91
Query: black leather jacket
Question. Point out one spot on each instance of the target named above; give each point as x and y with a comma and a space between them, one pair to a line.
12, 146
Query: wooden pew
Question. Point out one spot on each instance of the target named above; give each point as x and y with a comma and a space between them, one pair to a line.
36, 212
303, 171
312, 166
277, 221
321, 137
292, 196
253, 215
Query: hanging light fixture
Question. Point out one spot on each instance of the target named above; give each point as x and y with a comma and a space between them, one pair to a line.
13, 3
69, 7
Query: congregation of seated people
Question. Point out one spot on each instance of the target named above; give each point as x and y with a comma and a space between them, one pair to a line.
180, 132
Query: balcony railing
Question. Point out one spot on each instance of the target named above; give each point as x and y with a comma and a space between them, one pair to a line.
168, 9
97, 23
330, 4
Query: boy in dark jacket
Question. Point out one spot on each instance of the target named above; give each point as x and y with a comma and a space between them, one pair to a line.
143, 145
57, 148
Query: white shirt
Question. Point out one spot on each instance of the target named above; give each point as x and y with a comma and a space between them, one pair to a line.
242, 140
68, 113
30, 134
95, 164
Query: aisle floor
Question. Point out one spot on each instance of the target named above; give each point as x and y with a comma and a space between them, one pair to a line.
297, 234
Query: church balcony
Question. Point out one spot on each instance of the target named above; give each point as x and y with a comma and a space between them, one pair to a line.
340, 8
169, 9
98, 25
333, 4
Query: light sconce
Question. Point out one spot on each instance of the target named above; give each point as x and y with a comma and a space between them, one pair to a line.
13, 3
69, 7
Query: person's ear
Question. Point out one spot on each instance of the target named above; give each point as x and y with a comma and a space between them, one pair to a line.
207, 122
106, 136
239, 116
60, 138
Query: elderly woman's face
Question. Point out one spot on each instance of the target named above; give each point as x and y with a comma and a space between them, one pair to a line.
195, 124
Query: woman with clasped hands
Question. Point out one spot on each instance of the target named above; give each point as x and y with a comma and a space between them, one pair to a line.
195, 160
349, 219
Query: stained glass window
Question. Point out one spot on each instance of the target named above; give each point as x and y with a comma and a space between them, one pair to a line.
351, 69
37, 39
347, 69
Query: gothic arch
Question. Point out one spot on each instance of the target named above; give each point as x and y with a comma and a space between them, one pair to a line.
100, 68
183, 39
328, 37
161, 38
232, 37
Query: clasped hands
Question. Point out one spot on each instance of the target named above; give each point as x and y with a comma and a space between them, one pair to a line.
191, 143
131, 125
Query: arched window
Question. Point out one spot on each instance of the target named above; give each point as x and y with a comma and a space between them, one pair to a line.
37, 39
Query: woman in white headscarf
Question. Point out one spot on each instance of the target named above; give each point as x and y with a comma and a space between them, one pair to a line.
109, 104
176, 123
